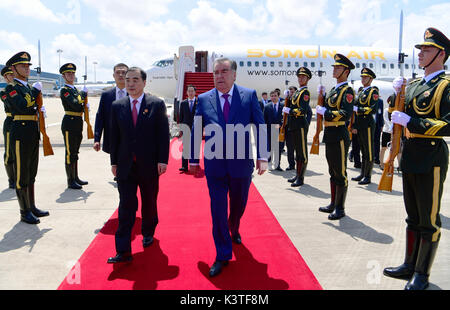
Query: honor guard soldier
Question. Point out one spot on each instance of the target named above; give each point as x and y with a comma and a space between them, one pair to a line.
72, 124
8, 158
337, 110
425, 159
21, 99
297, 125
365, 108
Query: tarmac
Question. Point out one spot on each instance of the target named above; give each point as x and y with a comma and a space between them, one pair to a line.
348, 254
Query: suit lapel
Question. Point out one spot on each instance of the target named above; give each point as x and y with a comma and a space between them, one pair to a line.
235, 103
215, 102
141, 110
126, 110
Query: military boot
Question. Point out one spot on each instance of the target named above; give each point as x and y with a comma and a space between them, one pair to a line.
11, 175
71, 183
367, 173
406, 270
330, 207
361, 175
36, 212
77, 179
425, 258
301, 168
341, 194
25, 211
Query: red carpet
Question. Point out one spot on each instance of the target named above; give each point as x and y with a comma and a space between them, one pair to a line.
183, 250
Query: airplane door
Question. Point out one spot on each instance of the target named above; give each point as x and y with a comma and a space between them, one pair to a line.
201, 61
186, 54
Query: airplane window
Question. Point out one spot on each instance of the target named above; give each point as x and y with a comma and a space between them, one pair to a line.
406, 66
321, 64
357, 65
371, 65
272, 64
297, 64
384, 66
445, 67
364, 65
280, 64
241, 63
249, 63
313, 64
398, 66
305, 64
288, 63
264, 63
391, 66
256, 63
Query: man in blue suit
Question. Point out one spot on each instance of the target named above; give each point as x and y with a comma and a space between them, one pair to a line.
228, 160
273, 116
103, 116
139, 155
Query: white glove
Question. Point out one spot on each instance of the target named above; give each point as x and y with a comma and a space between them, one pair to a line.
38, 86
400, 118
88, 106
85, 89
355, 108
320, 110
321, 89
397, 83
43, 110
286, 93
286, 110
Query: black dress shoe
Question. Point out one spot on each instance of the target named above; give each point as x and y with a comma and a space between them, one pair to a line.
147, 241
182, 169
236, 239
120, 258
217, 267
278, 168
290, 168
365, 181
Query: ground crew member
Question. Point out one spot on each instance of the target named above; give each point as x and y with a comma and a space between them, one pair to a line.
425, 159
365, 107
337, 110
21, 99
72, 124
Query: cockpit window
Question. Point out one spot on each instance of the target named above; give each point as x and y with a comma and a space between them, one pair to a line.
163, 63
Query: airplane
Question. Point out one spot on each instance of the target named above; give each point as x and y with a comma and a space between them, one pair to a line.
265, 68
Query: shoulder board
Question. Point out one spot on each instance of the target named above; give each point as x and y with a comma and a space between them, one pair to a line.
415, 81
447, 77
376, 87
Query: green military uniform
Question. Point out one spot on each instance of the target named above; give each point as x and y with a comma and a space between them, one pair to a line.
366, 104
8, 157
297, 126
21, 99
72, 127
339, 108
424, 167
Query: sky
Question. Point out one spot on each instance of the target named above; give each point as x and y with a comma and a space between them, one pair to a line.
141, 32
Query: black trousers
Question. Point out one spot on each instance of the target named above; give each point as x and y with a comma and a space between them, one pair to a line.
72, 142
25, 144
356, 149
8, 157
336, 154
422, 195
148, 188
290, 148
366, 143
300, 144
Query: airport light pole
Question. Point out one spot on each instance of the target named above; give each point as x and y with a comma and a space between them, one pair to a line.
59, 51
95, 74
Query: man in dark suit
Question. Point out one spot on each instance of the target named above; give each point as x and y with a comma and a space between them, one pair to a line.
103, 117
264, 100
139, 155
187, 112
273, 116
228, 162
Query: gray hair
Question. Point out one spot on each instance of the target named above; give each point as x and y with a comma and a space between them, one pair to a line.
233, 64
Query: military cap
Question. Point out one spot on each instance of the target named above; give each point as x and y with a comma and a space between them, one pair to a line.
368, 72
304, 71
19, 58
69, 67
341, 60
433, 37
6, 70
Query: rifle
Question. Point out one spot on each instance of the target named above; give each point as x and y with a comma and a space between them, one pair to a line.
90, 133
316, 141
350, 124
388, 172
282, 134
47, 146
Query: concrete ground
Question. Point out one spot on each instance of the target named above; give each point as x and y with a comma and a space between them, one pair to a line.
348, 254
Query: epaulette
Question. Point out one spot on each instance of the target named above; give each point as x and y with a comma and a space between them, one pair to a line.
376, 88
415, 81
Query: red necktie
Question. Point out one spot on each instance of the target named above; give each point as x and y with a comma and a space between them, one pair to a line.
134, 113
